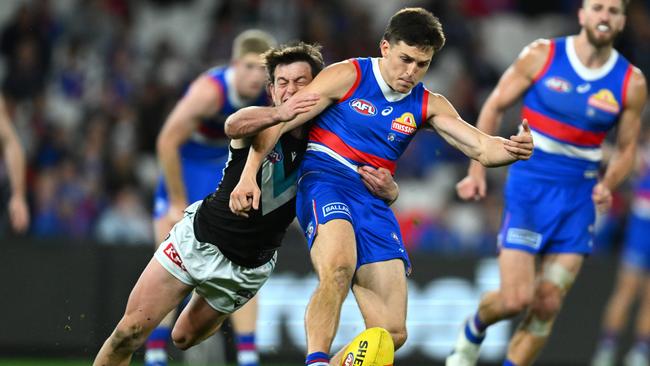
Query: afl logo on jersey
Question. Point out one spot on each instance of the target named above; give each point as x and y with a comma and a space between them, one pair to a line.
363, 107
405, 124
558, 84
604, 100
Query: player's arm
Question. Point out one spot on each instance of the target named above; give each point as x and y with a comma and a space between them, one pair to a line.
14, 158
488, 150
246, 194
622, 160
202, 100
510, 88
247, 122
330, 85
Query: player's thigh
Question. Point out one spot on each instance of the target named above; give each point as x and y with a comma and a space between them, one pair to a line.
334, 247
381, 293
198, 320
244, 320
154, 295
561, 270
517, 271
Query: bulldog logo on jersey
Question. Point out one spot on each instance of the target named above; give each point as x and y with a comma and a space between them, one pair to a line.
604, 100
363, 107
405, 124
558, 84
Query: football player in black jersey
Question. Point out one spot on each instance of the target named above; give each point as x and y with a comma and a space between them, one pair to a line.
223, 257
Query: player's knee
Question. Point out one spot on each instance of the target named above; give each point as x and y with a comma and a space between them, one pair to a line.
183, 340
548, 304
399, 337
338, 277
127, 338
516, 303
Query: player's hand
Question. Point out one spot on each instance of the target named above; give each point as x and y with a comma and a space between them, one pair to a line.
296, 105
379, 182
244, 196
602, 197
521, 146
471, 188
18, 213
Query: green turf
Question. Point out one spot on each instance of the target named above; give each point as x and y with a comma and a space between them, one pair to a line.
58, 362
63, 362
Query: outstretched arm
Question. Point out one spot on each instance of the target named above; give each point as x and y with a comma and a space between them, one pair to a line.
490, 151
15, 161
512, 85
622, 160
250, 121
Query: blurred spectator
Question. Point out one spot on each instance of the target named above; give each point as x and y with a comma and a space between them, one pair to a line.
89, 84
125, 222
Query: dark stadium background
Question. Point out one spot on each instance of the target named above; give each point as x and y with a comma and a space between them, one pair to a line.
88, 85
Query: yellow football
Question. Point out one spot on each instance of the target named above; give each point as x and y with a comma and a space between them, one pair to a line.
372, 347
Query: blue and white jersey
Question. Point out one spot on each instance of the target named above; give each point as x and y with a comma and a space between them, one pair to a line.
371, 125
570, 109
209, 141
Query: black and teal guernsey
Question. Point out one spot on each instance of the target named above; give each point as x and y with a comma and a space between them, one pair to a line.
252, 241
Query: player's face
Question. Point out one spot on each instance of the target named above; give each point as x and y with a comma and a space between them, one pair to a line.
602, 21
404, 65
289, 78
250, 75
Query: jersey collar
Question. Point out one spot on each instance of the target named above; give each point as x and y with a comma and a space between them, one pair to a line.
584, 72
390, 94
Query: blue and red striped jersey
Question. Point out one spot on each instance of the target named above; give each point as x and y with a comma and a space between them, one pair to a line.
570, 109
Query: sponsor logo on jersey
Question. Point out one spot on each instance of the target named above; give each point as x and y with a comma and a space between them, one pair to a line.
274, 156
583, 88
405, 124
363, 107
558, 84
604, 100
524, 237
386, 111
172, 254
336, 207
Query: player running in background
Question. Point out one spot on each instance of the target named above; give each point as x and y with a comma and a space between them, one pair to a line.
192, 151
633, 279
575, 90
371, 109
14, 158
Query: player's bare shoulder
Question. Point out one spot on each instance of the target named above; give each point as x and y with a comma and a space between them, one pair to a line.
205, 94
637, 89
533, 57
335, 80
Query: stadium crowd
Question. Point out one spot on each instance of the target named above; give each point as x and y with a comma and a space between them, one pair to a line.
88, 84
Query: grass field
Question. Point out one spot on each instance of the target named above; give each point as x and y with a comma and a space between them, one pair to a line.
64, 362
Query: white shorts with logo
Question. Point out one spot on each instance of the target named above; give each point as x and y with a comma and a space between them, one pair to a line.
225, 285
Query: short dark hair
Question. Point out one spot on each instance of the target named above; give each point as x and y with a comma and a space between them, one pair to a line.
415, 27
294, 52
